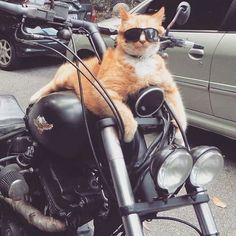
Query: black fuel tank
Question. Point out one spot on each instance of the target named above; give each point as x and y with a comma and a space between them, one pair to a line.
56, 122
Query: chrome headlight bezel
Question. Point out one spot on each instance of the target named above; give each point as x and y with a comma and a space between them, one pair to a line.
208, 163
170, 168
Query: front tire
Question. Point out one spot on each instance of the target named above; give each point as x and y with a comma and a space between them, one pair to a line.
8, 57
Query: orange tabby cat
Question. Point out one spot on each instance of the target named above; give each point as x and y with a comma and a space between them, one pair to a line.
124, 70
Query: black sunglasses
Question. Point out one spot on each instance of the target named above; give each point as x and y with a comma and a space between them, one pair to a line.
133, 35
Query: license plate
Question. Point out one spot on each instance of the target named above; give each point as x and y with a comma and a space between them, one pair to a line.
73, 16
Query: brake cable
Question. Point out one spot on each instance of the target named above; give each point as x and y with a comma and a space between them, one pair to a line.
157, 143
179, 126
120, 229
88, 131
99, 89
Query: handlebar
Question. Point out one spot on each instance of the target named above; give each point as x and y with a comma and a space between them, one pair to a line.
107, 31
50, 16
96, 40
170, 42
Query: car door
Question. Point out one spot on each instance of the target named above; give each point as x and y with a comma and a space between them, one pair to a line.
193, 76
223, 72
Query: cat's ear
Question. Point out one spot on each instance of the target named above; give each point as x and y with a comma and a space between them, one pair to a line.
160, 14
124, 15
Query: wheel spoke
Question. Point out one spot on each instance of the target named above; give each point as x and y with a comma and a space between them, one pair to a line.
4, 60
8, 56
1, 44
4, 44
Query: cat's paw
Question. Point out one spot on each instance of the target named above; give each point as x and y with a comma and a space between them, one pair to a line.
35, 98
178, 138
130, 130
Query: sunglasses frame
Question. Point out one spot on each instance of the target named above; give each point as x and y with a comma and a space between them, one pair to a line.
139, 32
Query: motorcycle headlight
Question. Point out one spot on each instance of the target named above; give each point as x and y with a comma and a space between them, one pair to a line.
170, 168
208, 162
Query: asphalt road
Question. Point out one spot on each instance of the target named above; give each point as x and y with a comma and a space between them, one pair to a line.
36, 72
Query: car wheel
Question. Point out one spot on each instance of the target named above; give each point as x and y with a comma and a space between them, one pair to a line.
10, 227
8, 57
84, 53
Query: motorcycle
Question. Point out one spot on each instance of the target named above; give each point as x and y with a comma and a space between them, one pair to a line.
62, 167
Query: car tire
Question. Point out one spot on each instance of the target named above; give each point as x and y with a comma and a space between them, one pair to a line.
11, 227
85, 54
8, 57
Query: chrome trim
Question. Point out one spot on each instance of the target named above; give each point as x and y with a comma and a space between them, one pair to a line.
138, 100
222, 88
121, 182
212, 123
205, 218
187, 81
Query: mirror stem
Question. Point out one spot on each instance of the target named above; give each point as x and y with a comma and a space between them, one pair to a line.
173, 21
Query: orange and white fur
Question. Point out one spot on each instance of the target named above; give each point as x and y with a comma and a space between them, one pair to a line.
124, 70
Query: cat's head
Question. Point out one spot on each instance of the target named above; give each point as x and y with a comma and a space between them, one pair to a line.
139, 34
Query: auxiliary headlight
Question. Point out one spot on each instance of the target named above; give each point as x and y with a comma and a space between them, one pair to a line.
208, 162
170, 168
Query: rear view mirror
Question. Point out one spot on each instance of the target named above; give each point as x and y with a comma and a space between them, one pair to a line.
181, 16
184, 8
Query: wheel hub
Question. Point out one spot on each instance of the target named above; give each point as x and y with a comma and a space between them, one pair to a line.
5, 52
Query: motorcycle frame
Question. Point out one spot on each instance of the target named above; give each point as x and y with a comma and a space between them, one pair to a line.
124, 194
131, 211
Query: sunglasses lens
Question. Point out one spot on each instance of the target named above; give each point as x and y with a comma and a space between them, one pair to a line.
132, 35
151, 35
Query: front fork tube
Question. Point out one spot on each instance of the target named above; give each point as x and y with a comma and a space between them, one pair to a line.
205, 217
124, 193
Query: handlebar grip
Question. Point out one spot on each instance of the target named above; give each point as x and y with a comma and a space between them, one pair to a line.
12, 8
188, 44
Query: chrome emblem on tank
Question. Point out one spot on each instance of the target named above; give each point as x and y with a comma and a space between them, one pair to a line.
42, 125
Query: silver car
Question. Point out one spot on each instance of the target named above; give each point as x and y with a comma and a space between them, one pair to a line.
208, 86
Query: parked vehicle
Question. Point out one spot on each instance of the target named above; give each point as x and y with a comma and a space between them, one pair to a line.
57, 174
12, 50
81, 9
208, 85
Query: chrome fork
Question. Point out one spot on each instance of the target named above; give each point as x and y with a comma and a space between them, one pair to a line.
124, 193
205, 217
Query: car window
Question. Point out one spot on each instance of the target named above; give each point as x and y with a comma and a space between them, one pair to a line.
42, 31
72, 8
141, 8
49, 31
205, 14
229, 23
